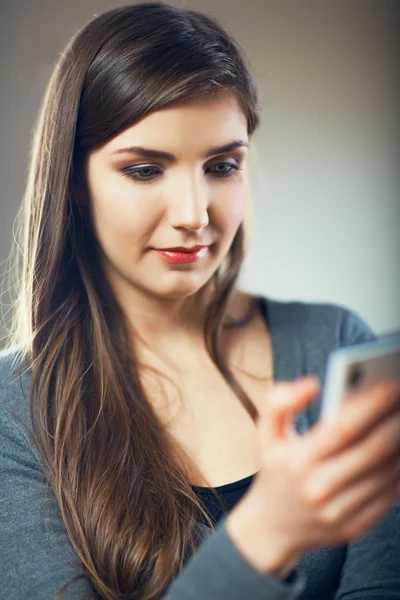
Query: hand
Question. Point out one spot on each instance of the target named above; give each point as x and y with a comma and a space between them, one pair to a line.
326, 487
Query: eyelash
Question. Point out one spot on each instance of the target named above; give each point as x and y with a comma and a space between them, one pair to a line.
132, 171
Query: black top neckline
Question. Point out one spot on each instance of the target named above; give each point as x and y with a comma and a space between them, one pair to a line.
227, 487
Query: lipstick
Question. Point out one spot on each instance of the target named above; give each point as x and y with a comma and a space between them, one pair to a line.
179, 257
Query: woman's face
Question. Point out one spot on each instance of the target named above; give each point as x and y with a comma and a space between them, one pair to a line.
194, 195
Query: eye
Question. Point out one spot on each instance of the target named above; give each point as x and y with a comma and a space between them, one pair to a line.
228, 169
142, 174
148, 173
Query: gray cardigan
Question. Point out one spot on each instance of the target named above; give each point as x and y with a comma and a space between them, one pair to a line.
37, 558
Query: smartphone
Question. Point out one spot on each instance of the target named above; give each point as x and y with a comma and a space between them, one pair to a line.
354, 367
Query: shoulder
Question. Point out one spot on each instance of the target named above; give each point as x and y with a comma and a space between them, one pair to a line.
13, 375
14, 392
304, 334
322, 324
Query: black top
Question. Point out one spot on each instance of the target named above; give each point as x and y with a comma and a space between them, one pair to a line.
230, 494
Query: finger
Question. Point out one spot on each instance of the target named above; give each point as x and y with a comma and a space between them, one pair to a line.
361, 520
359, 413
381, 448
286, 400
356, 497
369, 405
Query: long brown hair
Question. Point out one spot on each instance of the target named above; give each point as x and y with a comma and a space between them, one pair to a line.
108, 457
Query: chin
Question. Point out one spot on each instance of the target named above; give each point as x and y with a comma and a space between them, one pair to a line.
182, 289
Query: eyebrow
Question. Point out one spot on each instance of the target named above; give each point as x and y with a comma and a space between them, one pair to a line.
150, 153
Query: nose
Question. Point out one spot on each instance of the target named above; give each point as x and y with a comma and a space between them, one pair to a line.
189, 206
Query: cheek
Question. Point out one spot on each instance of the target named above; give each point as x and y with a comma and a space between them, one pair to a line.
228, 211
123, 219
122, 216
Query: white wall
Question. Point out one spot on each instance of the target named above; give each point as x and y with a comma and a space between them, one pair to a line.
326, 208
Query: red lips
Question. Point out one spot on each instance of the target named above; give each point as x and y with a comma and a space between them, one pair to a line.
182, 249
183, 256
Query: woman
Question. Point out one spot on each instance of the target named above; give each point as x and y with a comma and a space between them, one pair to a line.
149, 381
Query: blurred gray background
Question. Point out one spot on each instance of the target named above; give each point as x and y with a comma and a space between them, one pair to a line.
324, 163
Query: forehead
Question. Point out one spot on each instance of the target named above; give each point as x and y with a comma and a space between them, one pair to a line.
195, 125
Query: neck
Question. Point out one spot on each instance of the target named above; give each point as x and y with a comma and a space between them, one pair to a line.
172, 325
153, 317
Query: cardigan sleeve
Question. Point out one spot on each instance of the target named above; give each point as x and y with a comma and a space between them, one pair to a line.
355, 329
36, 556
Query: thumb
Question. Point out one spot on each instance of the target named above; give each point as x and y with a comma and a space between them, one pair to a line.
287, 399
